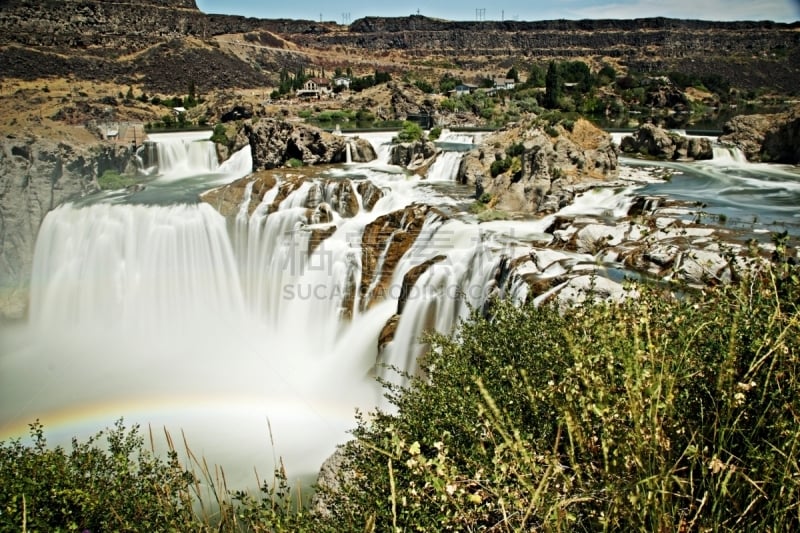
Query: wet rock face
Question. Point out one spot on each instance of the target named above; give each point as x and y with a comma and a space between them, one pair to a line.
362, 151
651, 141
228, 199
383, 244
35, 177
768, 138
275, 142
413, 156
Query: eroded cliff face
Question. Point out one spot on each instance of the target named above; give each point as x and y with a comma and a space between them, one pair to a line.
37, 175
753, 54
773, 138
541, 169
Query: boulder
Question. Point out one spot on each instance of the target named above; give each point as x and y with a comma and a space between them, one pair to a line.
275, 142
767, 138
362, 151
537, 172
414, 156
651, 141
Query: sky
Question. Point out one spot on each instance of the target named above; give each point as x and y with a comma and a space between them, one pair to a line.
345, 11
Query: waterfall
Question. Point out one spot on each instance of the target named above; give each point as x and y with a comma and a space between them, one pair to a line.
445, 167
185, 153
238, 165
729, 155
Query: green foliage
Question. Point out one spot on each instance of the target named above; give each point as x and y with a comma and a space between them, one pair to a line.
499, 166
435, 133
512, 74
606, 75
659, 413
536, 76
553, 86
219, 135
108, 483
448, 83
424, 86
410, 132
111, 180
516, 149
294, 163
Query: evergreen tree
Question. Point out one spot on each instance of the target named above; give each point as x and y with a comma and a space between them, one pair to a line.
552, 84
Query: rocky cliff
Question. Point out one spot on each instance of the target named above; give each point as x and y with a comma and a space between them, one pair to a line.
276, 142
651, 141
37, 175
769, 138
100, 40
752, 54
530, 168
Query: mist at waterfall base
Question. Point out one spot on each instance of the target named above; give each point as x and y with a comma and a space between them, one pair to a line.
154, 308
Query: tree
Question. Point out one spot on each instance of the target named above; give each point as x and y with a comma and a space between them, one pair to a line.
536, 76
512, 74
411, 132
552, 92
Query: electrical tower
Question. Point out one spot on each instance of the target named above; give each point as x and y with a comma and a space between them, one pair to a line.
480, 13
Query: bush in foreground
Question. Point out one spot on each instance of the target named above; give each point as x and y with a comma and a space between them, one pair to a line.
662, 413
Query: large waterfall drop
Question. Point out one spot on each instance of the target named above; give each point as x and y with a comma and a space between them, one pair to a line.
153, 307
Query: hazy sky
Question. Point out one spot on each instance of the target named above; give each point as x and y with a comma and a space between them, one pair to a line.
343, 11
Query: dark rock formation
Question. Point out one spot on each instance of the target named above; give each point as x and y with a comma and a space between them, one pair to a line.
275, 142
35, 177
413, 156
742, 52
361, 151
652, 141
228, 198
769, 138
542, 176
384, 242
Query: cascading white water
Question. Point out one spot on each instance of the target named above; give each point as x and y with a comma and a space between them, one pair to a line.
167, 316
729, 155
445, 167
185, 153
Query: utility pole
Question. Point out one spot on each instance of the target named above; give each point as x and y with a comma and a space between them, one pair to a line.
480, 13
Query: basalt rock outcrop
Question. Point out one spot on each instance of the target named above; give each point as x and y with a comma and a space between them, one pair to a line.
275, 142
740, 51
361, 150
536, 172
651, 141
384, 242
35, 177
770, 138
322, 197
415, 156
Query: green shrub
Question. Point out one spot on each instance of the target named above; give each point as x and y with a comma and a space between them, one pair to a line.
435, 133
410, 132
220, 135
516, 149
659, 413
294, 163
111, 179
499, 166
109, 483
